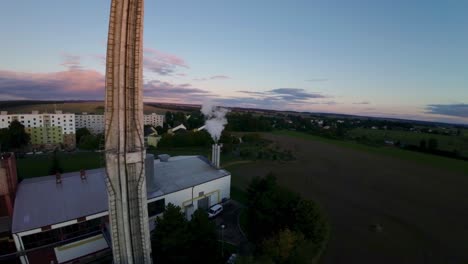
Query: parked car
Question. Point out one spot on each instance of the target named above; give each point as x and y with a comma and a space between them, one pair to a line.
215, 210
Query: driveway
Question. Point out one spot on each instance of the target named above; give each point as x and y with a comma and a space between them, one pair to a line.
232, 232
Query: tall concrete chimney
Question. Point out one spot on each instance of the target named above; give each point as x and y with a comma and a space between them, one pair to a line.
125, 150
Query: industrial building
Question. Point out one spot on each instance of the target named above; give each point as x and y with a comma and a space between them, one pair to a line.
63, 218
46, 128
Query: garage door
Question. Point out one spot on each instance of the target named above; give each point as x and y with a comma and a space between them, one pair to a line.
204, 203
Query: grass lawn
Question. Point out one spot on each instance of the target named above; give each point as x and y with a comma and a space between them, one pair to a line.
39, 165
239, 195
446, 143
432, 160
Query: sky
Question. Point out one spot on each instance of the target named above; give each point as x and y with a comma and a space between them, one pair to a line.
399, 59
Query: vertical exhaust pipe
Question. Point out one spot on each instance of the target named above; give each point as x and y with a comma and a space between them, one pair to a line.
216, 155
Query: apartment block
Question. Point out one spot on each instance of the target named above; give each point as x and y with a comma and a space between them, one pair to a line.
46, 128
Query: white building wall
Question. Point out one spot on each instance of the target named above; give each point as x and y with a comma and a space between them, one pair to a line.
94, 123
215, 189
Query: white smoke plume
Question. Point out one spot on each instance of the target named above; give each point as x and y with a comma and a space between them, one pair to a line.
215, 119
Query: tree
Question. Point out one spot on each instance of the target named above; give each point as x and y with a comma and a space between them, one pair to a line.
422, 144
4, 139
80, 132
432, 144
170, 242
55, 166
203, 238
17, 135
176, 240
282, 245
160, 130
270, 208
287, 228
310, 221
88, 142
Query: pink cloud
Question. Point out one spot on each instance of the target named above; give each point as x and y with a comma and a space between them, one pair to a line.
162, 63
69, 84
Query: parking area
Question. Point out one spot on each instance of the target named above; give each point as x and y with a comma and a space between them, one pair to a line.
232, 232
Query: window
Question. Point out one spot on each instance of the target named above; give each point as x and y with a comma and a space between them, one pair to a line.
156, 207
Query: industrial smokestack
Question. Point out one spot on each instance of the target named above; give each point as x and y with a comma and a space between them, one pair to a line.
216, 155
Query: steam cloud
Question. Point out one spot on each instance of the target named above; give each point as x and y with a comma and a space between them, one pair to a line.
215, 119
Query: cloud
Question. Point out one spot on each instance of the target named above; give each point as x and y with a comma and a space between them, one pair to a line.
162, 63
70, 84
295, 94
161, 91
288, 95
362, 103
219, 77
215, 77
279, 99
71, 62
456, 110
317, 80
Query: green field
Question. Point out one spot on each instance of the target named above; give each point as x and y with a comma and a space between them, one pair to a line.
446, 143
38, 165
427, 159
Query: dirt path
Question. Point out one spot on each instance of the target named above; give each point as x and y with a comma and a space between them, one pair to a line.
423, 211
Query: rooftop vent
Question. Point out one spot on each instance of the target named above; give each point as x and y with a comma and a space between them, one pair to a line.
164, 157
83, 174
58, 178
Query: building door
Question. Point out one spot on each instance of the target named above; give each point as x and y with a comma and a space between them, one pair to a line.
204, 203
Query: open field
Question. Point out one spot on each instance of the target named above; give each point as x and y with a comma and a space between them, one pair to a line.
73, 107
446, 143
422, 207
421, 158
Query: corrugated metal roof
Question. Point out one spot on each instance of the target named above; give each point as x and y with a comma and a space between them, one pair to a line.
42, 202
183, 172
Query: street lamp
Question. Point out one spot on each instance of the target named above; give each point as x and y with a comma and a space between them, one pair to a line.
222, 240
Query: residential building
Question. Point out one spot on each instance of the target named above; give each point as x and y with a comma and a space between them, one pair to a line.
46, 128
64, 218
154, 119
151, 137
93, 122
